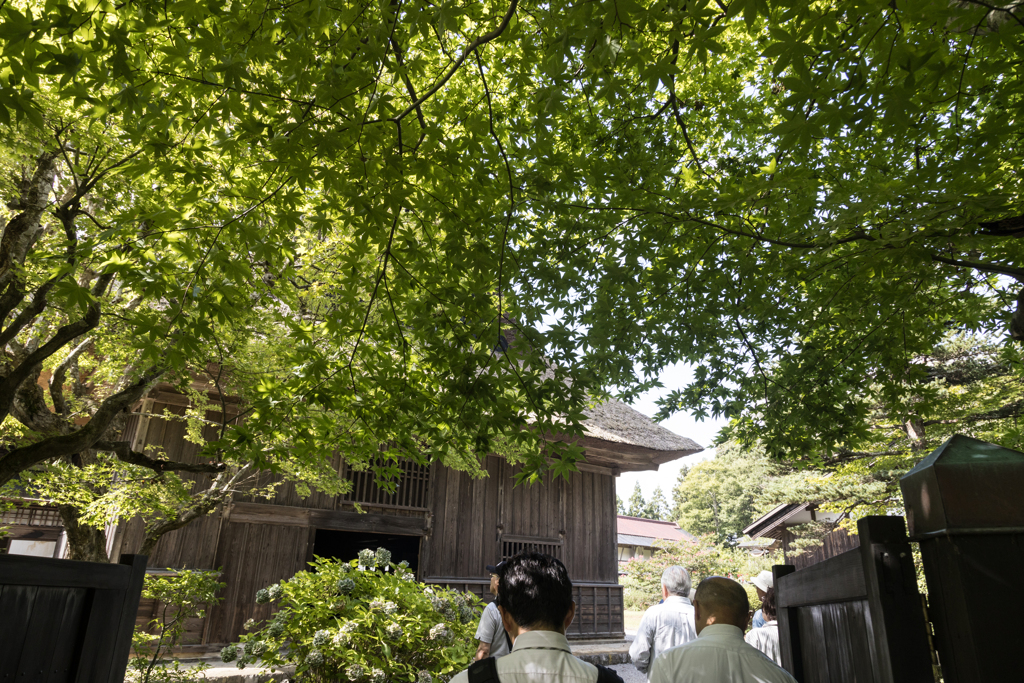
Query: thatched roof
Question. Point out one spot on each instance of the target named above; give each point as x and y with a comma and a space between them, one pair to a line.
615, 421
621, 439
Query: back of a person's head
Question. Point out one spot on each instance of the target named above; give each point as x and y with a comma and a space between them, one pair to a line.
768, 605
725, 599
535, 590
676, 580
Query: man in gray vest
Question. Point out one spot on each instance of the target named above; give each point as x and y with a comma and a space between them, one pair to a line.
667, 624
536, 607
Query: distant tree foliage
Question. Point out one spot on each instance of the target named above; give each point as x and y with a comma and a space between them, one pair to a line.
657, 506
637, 504
719, 497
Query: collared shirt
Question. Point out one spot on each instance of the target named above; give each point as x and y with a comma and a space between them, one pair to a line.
720, 655
758, 620
662, 627
540, 657
766, 639
491, 631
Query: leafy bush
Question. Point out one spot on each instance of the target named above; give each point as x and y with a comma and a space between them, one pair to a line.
181, 597
364, 621
642, 583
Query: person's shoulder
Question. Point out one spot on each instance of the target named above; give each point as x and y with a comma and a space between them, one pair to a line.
766, 665
461, 677
686, 649
515, 661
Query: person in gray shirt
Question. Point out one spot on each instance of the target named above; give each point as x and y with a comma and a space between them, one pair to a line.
494, 642
665, 625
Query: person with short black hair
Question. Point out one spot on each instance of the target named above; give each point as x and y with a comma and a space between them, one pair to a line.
536, 606
667, 624
766, 638
721, 612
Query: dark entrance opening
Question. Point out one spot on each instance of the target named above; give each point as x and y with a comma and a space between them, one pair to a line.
345, 545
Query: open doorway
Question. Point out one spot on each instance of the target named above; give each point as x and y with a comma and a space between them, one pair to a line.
345, 545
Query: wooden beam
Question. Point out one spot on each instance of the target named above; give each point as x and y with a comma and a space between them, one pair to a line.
260, 513
379, 524
836, 579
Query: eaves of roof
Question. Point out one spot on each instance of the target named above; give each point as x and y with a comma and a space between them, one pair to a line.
771, 524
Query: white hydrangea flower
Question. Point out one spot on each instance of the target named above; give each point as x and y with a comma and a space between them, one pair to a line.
350, 627
367, 558
440, 632
390, 607
377, 676
424, 677
377, 604
395, 630
321, 638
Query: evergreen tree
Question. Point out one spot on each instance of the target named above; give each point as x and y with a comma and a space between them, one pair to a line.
657, 508
620, 508
637, 505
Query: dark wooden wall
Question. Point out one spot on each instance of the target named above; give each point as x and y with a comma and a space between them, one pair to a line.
835, 543
471, 517
463, 521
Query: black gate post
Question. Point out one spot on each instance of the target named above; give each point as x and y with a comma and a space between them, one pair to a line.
965, 505
64, 621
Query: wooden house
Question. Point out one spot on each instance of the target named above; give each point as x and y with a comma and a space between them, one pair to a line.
447, 524
782, 524
638, 538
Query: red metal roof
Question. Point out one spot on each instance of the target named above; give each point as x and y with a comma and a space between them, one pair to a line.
651, 528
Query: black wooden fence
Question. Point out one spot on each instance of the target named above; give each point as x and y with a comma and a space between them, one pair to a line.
856, 617
65, 621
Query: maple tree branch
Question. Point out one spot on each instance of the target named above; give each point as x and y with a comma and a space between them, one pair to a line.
124, 453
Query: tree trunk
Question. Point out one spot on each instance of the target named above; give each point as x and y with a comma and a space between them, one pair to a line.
85, 543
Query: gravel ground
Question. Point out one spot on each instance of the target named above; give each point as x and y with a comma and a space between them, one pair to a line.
629, 673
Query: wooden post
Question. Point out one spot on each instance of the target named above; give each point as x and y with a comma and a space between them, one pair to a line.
964, 507
898, 625
129, 609
789, 628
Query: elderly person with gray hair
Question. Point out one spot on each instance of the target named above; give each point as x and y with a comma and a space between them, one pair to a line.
665, 625
718, 654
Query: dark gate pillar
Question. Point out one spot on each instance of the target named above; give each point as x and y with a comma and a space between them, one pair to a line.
965, 504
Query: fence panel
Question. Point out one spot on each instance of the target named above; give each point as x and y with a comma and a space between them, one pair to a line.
857, 616
65, 621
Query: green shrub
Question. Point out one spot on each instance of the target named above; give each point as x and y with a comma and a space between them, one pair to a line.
642, 582
364, 621
181, 597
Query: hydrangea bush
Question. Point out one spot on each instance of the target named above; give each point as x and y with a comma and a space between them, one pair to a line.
364, 621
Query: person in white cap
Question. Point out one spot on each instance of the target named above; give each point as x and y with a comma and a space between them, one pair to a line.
762, 582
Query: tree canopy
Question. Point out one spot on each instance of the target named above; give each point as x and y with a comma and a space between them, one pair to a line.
357, 207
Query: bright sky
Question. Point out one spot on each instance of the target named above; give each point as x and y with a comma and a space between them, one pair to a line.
680, 423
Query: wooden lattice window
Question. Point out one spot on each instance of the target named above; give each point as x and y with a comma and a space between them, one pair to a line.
410, 493
31, 516
513, 545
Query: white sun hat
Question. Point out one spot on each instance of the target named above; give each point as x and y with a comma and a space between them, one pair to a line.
764, 580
